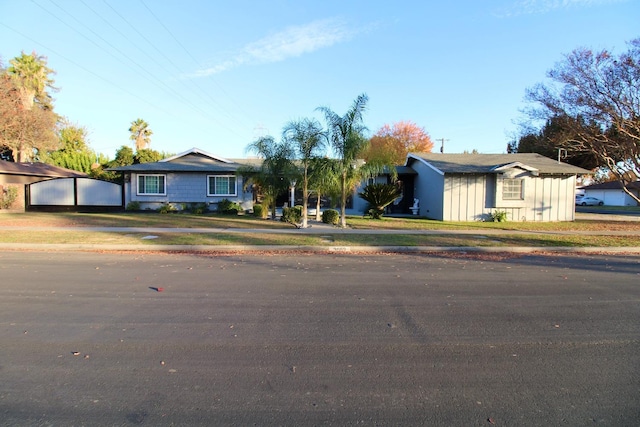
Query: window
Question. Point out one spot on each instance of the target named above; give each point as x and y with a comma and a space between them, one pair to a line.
151, 184
221, 185
513, 189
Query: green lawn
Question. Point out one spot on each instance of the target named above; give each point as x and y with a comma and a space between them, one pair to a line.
514, 234
127, 219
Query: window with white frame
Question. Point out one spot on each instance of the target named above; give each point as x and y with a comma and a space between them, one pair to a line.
221, 185
152, 184
513, 189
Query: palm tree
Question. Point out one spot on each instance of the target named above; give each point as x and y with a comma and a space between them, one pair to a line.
307, 138
346, 134
28, 76
324, 180
140, 133
31, 76
275, 173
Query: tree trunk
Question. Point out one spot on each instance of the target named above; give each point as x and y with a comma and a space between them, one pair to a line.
343, 204
305, 202
318, 216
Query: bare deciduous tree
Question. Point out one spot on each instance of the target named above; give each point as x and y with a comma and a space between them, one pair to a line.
602, 93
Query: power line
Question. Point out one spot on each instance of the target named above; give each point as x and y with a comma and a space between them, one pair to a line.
84, 68
168, 59
153, 79
194, 60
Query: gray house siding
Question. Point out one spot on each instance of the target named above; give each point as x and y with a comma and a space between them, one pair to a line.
185, 188
428, 190
474, 196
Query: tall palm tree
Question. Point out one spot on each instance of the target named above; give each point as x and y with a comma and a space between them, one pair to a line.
277, 169
140, 133
324, 179
31, 76
347, 137
307, 138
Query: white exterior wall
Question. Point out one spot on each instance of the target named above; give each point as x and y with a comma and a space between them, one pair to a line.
465, 197
546, 198
55, 192
612, 197
75, 192
93, 192
475, 197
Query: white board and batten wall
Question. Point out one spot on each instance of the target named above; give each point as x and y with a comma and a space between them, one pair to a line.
475, 196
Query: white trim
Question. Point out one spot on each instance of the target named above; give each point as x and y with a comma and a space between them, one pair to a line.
137, 184
420, 159
512, 165
196, 151
210, 194
520, 182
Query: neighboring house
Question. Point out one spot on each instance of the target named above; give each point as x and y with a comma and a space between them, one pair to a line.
612, 194
21, 174
470, 187
193, 176
405, 176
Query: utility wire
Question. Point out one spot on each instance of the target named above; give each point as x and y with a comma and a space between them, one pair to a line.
199, 90
192, 58
153, 79
86, 69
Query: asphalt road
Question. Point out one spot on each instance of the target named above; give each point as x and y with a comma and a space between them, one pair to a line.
186, 339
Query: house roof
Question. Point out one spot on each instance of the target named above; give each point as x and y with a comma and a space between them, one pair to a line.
195, 150
405, 170
37, 169
193, 160
612, 185
493, 163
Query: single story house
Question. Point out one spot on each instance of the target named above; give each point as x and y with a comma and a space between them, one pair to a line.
193, 176
470, 187
612, 194
20, 174
447, 187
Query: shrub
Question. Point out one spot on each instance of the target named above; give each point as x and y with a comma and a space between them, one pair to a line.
379, 197
226, 206
292, 215
259, 211
8, 195
498, 216
166, 208
198, 208
133, 206
331, 216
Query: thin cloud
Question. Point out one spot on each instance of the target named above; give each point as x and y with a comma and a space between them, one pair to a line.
537, 7
289, 43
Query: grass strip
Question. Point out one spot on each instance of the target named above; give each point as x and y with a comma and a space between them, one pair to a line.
258, 239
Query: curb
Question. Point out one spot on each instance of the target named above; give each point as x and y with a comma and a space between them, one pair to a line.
312, 249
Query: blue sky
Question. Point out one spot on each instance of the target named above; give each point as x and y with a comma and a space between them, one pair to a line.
218, 74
